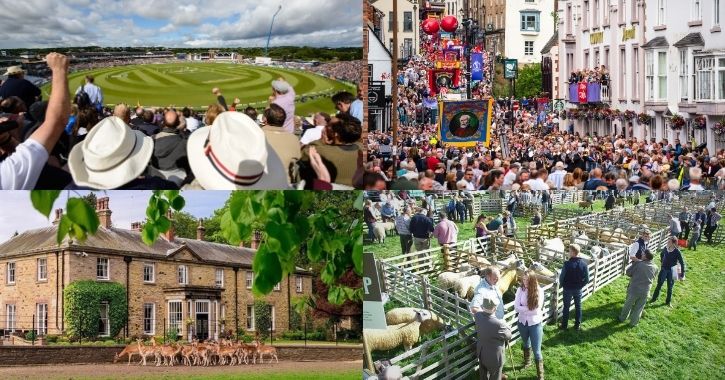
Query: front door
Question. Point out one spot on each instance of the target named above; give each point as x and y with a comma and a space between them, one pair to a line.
202, 320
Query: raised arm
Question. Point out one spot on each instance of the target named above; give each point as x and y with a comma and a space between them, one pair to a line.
58, 112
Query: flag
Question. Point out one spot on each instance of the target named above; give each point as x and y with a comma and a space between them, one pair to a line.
476, 66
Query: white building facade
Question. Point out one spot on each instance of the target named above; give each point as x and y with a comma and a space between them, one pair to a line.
529, 26
609, 33
685, 69
408, 26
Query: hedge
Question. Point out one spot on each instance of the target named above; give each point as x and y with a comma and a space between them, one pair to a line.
83, 300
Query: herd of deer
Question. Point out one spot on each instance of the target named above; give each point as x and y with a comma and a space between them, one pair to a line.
205, 354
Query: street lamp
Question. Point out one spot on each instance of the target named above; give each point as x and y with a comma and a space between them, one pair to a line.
269, 36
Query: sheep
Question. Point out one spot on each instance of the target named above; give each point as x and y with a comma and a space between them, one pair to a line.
478, 261
555, 244
511, 245
544, 275
379, 232
407, 314
510, 261
507, 278
587, 204
465, 286
447, 280
389, 227
582, 239
405, 334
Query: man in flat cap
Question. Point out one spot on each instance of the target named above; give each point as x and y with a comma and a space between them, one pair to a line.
493, 334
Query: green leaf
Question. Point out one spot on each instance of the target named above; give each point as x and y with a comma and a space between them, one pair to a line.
63, 227
178, 203
152, 211
163, 224
267, 271
149, 233
359, 202
314, 249
163, 205
328, 273
171, 194
357, 257
43, 200
81, 214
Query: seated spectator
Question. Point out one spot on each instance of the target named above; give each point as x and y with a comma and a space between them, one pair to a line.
233, 154
122, 112
17, 85
113, 156
169, 160
211, 113
251, 112
346, 102
340, 151
146, 125
319, 123
192, 123
286, 144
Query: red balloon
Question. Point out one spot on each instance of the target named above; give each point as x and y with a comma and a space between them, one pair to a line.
430, 26
449, 24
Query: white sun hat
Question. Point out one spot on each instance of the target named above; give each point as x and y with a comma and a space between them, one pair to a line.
233, 153
111, 155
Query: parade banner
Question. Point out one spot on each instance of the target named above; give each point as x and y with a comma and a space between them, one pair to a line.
476, 66
582, 92
443, 78
465, 123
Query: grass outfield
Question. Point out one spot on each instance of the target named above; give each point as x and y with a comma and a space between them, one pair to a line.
190, 84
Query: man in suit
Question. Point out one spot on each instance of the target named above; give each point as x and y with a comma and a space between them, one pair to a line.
493, 334
642, 275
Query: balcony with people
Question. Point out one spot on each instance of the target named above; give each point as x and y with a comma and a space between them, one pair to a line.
589, 86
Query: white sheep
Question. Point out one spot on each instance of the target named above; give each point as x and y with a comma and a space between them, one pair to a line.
389, 227
554, 245
379, 232
405, 334
446, 280
408, 314
464, 286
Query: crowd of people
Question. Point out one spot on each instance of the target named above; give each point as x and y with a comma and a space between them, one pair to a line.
76, 142
597, 75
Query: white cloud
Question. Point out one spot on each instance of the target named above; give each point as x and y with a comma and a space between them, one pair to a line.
44, 23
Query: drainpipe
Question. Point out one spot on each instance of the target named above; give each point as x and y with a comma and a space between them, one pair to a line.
236, 301
57, 288
128, 260
289, 304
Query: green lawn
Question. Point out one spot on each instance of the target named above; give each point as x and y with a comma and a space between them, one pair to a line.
266, 375
685, 342
189, 84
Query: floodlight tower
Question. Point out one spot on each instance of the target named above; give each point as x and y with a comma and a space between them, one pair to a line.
269, 36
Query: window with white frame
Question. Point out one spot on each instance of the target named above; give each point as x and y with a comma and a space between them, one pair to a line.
10, 272
705, 73
607, 4
278, 286
623, 74
274, 320
219, 278
721, 78
250, 317
104, 326
175, 316
635, 14
621, 10
149, 272
10, 317
683, 74
696, 10
298, 284
585, 15
390, 21
42, 266
635, 73
41, 318
407, 21
529, 48
595, 21
149, 318
249, 278
661, 75
183, 275
649, 72
715, 12
569, 21
102, 268
530, 21
661, 12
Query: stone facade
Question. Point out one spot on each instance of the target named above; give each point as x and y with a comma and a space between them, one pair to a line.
209, 304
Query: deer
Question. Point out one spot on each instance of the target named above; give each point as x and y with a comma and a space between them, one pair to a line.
130, 350
263, 349
144, 351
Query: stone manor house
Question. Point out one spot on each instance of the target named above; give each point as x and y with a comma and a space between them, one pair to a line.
201, 288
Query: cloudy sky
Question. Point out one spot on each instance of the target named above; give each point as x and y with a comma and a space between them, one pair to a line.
179, 23
127, 206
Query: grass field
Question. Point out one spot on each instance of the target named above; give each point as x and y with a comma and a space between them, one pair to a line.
684, 342
190, 84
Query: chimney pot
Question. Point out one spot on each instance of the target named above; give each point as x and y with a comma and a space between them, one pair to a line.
200, 230
104, 213
171, 233
58, 215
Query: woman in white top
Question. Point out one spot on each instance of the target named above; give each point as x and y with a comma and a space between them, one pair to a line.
529, 305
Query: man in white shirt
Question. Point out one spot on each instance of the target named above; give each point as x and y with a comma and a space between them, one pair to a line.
557, 177
510, 177
20, 170
192, 123
94, 92
320, 121
539, 182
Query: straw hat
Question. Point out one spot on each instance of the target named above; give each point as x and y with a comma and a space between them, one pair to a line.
12, 70
233, 153
111, 156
